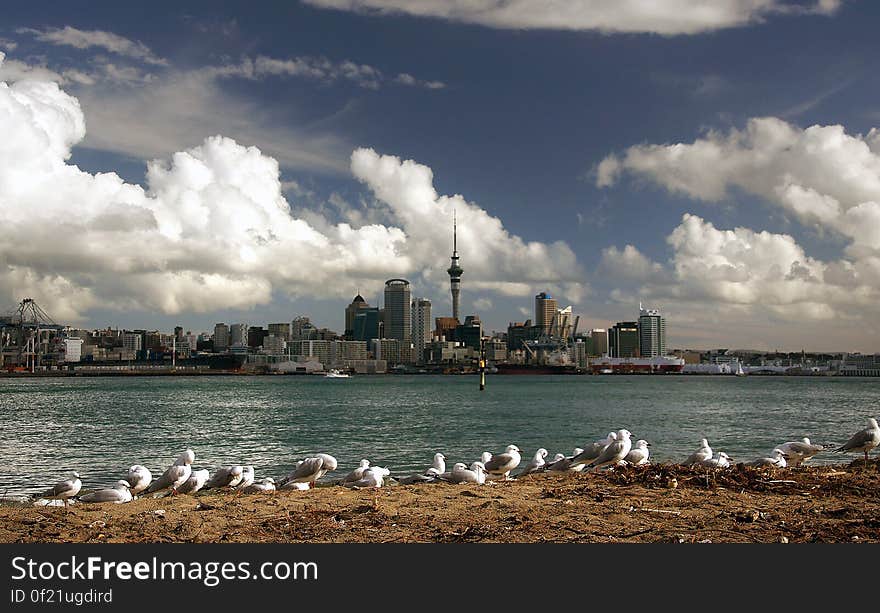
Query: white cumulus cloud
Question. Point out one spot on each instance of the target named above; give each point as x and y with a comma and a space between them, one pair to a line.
666, 17
211, 229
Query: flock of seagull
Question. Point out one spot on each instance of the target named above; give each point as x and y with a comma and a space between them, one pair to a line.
616, 449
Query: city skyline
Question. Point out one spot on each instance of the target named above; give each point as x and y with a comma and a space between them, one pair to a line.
236, 164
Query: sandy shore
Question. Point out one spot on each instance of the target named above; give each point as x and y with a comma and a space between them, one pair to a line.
660, 503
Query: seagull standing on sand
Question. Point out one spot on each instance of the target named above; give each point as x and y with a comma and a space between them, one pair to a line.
63, 490
175, 476
197, 480
863, 440
536, 463
229, 476
800, 451
118, 494
593, 450
247, 478
139, 478
500, 465
703, 454
639, 453
615, 451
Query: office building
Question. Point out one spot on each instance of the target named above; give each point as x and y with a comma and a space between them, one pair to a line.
545, 311
652, 333
623, 340
421, 327
367, 325
221, 338
238, 335
351, 311
598, 342
398, 314
281, 330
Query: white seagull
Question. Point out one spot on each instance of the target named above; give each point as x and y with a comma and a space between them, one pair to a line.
263, 485
500, 465
721, 461
372, 477
357, 474
701, 455
139, 478
593, 450
615, 451
639, 453
311, 469
197, 480
230, 476
247, 478
175, 476
63, 490
118, 494
536, 463
565, 463
462, 474
776, 460
797, 452
863, 440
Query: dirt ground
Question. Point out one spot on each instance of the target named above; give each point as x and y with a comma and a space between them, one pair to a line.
657, 503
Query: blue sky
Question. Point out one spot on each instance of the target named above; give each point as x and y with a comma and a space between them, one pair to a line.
514, 118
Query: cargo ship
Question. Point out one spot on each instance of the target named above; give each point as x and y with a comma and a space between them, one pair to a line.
637, 366
537, 369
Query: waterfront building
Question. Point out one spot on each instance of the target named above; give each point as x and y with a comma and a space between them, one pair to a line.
545, 311
623, 340
398, 315
221, 337
444, 328
320, 350
455, 271
342, 352
579, 353
598, 342
72, 349
255, 336
470, 332
652, 333
281, 330
274, 345
301, 329
387, 349
520, 332
421, 327
238, 335
351, 311
367, 325
131, 341
496, 350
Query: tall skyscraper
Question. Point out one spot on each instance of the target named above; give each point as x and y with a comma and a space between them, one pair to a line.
398, 315
623, 340
599, 338
545, 310
238, 335
652, 333
221, 337
421, 326
455, 271
350, 311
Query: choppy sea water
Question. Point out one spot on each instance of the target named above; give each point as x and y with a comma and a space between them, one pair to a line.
101, 426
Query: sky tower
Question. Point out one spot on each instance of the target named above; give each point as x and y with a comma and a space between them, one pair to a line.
455, 271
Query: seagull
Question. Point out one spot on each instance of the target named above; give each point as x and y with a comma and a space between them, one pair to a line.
357, 474
501, 465
63, 490
247, 478
263, 485
721, 461
439, 465
800, 451
535, 464
175, 476
701, 455
139, 478
475, 474
372, 477
863, 440
639, 453
776, 460
197, 480
118, 494
225, 477
485, 457
564, 464
615, 451
593, 450
295, 485
311, 469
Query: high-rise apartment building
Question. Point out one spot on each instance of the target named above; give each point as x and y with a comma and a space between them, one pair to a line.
545, 311
652, 333
421, 327
221, 337
398, 315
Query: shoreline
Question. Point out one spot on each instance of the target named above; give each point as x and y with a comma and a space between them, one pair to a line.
654, 503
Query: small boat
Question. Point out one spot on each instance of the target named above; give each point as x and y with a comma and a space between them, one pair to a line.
336, 374
739, 370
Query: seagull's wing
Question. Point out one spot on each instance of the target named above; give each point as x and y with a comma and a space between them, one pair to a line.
609, 453
165, 481
107, 495
60, 489
221, 478
593, 451
309, 467
858, 440
498, 462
